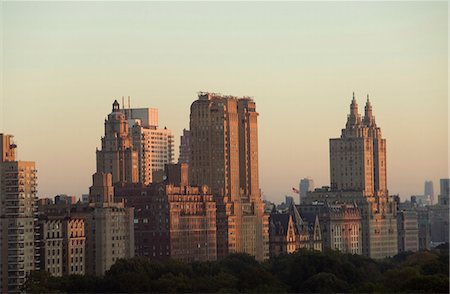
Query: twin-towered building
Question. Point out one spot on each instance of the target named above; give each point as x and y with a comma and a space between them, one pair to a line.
358, 177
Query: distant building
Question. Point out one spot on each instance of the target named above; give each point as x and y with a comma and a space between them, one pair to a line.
18, 206
424, 225
444, 192
429, 191
65, 199
224, 156
408, 231
306, 185
184, 147
439, 214
420, 200
172, 219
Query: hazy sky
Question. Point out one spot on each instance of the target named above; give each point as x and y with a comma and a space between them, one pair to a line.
63, 64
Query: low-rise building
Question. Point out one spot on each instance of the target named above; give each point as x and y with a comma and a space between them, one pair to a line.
172, 219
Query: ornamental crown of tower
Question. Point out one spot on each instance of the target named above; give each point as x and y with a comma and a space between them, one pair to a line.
356, 125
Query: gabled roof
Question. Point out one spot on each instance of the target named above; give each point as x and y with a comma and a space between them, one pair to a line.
279, 222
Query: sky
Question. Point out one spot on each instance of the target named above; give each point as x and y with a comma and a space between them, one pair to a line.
64, 63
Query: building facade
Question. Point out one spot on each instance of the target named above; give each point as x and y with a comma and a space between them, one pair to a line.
408, 231
358, 175
306, 185
184, 147
172, 219
429, 191
224, 156
155, 150
118, 155
340, 224
62, 245
18, 208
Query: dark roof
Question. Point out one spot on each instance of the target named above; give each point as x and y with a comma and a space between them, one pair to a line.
280, 221
309, 217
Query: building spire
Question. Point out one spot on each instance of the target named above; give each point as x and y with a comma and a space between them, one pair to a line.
353, 118
368, 119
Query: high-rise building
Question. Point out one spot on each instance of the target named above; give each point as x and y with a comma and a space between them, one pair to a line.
155, 150
134, 148
444, 192
184, 147
429, 191
358, 174
224, 156
118, 156
18, 205
306, 185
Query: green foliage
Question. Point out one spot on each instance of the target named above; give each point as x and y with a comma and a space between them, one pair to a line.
302, 272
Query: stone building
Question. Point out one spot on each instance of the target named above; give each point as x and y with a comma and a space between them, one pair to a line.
408, 231
224, 156
340, 224
172, 219
62, 244
282, 234
358, 175
118, 156
293, 230
18, 207
108, 226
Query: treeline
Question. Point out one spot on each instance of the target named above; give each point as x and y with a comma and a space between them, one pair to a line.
304, 271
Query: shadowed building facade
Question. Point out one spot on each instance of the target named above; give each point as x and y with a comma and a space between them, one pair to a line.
223, 155
172, 219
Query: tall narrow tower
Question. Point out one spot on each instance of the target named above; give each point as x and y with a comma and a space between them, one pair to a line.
118, 156
224, 155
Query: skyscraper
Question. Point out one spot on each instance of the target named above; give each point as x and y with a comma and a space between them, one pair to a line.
184, 147
429, 191
224, 156
18, 207
118, 156
358, 174
306, 185
444, 193
358, 166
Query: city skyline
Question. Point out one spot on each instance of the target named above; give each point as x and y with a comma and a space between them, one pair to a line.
302, 96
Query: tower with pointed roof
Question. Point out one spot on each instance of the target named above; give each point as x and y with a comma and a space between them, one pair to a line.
118, 155
358, 175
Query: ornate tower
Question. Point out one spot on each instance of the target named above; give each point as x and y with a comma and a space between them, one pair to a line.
117, 156
358, 173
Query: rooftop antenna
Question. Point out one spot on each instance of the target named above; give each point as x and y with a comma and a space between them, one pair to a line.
123, 102
129, 102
